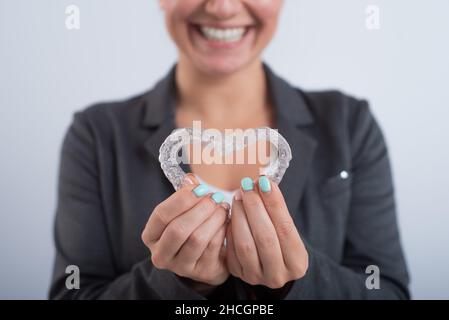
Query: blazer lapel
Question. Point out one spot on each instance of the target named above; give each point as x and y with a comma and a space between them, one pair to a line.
159, 114
303, 148
293, 117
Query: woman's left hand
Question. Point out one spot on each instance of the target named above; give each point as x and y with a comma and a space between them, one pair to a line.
263, 244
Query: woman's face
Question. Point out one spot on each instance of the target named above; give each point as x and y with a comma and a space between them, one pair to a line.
221, 36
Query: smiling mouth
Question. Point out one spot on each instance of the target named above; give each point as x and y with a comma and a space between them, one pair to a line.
222, 35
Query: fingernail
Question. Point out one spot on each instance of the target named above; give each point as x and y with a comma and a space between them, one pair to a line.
218, 197
247, 184
201, 190
238, 195
187, 181
264, 184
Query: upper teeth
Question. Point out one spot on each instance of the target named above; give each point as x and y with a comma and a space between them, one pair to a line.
226, 35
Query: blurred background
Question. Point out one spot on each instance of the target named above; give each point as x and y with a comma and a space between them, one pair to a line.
398, 62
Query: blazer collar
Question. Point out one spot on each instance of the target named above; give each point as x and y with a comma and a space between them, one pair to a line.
292, 115
160, 101
288, 102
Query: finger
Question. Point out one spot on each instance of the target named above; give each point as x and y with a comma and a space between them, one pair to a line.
180, 229
284, 225
244, 245
210, 266
213, 249
195, 245
231, 257
262, 229
175, 205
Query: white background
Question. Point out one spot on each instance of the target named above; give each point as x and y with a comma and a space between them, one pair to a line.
47, 72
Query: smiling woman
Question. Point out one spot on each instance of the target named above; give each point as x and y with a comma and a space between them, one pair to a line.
312, 236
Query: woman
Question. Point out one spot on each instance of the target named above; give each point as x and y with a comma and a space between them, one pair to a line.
315, 235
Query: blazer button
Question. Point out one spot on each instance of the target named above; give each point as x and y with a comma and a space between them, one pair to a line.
344, 175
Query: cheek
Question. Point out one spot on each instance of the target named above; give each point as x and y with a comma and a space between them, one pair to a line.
180, 9
177, 13
266, 11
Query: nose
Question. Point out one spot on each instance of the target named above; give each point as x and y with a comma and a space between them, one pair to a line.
223, 9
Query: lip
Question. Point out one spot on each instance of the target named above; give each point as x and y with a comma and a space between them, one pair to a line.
204, 42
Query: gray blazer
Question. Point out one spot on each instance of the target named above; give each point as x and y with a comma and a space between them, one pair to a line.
338, 189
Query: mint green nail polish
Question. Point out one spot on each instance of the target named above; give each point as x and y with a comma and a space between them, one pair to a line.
264, 184
218, 197
201, 190
247, 184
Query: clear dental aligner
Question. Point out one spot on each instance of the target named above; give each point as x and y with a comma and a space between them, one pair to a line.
179, 138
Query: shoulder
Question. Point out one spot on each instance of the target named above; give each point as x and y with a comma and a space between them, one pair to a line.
103, 121
96, 127
338, 111
345, 120
102, 113
336, 108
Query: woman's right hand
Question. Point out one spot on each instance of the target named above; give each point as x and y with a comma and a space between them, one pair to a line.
186, 232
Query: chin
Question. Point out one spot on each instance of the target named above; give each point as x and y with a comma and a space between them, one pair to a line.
221, 66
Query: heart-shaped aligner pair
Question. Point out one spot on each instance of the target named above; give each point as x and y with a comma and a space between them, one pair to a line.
170, 159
